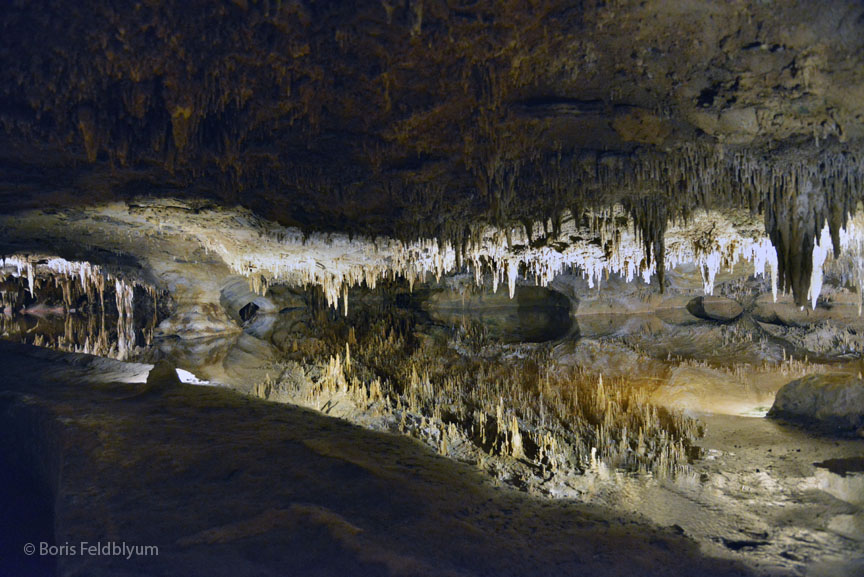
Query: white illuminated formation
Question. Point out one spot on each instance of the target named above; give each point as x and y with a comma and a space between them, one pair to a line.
852, 242
607, 244
820, 252
713, 243
850, 265
90, 277
189, 378
89, 280
598, 244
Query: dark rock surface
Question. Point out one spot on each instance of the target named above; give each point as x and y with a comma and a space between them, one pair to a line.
226, 485
534, 314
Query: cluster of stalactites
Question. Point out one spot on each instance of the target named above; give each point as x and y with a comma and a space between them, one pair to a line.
801, 200
82, 278
848, 258
797, 191
90, 277
596, 244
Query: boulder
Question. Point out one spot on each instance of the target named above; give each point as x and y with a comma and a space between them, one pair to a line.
832, 402
838, 307
163, 375
715, 308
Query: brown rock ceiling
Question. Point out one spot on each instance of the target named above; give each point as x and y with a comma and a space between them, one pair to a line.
424, 116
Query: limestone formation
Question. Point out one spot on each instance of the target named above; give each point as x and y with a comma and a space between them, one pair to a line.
577, 246
715, 308
831, 402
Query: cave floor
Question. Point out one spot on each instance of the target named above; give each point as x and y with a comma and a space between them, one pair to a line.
224, 484
763, 492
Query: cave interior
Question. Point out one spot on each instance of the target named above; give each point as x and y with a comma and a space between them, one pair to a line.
432, 287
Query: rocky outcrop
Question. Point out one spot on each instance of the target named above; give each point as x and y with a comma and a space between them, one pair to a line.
830, 402
841, 308
714, 308
340, 487
241, 303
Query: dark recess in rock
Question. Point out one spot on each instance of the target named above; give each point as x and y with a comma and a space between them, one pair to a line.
248, 312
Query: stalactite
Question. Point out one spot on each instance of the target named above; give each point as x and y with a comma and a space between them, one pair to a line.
625, 218
650, 220
820, 253
796, 190
847, 262
613, 240
74, 281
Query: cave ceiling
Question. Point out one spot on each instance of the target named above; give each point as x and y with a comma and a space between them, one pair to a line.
422, 118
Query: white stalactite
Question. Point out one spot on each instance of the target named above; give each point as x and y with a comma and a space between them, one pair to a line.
850, 266
266, 252
821, 249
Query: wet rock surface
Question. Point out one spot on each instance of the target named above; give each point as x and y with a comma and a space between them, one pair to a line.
715, 308
704, 390
828, 402
534, 314
767, 499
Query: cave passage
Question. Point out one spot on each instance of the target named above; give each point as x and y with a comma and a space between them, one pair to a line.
588, 383
432, 287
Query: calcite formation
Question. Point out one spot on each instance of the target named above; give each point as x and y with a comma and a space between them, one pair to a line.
670, 191
593, 244
446, 116
76, 281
